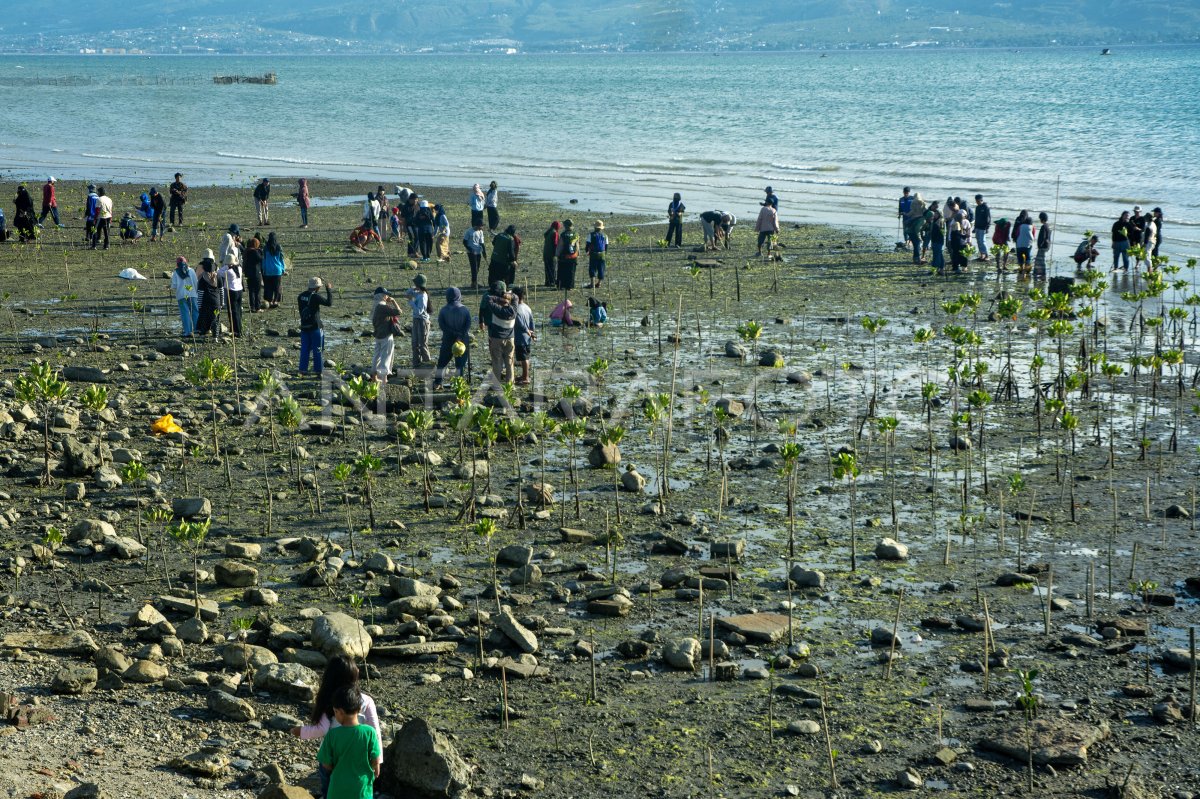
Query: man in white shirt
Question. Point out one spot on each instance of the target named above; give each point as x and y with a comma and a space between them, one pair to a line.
104, 212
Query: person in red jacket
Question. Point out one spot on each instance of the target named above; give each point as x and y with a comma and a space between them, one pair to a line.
49, 203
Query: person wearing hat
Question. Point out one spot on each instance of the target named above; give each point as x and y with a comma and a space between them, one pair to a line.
454, 320
262, 197
89, 212
209, 288
49, 203
384, 312
675, 211
596, 247
178, 191
418, 302
312, 338
498, 314
183, 284
158, 215
503, 265
568, 255
767, 225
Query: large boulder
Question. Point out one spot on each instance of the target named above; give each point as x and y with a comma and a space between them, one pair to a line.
683, 653
891, 549
422, 762
235, 574
229, 706
287, 679
340, 634
79, 459
516, 632
191, 507
602, 455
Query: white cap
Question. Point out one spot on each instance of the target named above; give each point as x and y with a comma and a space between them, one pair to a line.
1137, 208
51, 179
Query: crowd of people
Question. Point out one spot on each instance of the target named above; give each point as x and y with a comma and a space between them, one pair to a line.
931, 230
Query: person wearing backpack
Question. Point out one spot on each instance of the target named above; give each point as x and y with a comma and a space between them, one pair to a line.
597, 245
312, 338
568, 256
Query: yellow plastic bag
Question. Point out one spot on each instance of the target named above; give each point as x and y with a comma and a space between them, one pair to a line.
165, 424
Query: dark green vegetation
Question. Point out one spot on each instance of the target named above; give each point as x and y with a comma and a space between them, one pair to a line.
906, 409
568, 25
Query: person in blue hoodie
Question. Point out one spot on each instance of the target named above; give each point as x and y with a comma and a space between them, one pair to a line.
144, 208
454, 320
91, 209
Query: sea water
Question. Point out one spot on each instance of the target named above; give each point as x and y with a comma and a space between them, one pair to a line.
1067, 131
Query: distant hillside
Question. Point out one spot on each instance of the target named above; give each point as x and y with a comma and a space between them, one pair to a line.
540, 25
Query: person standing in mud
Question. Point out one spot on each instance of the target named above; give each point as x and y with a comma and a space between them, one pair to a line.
454, 320
209, 289
158, 215
675, 210
104, 212
49, 203
273, 269
179, 197
24, 219
568, 255
418, 302
312, 337
473, 242
549, 253
503, 264
184, 287
262, 201
303, 201
491, 204
252, 272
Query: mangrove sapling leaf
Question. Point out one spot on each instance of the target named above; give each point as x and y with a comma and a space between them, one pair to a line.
44, 388
572, 432
190, 536
420, 422
845, 467
366, 467
135, 473
485, 528
210, 373
158, 518
289, 416
514, 429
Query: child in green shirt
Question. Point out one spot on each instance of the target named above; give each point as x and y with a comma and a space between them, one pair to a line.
351, 752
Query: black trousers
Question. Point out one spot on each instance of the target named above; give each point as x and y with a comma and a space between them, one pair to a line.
176, 208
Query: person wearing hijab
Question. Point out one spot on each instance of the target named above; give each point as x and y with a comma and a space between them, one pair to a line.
273, 270
675, 211
24, 218
454, 320
568, 255
303, 201
503, 264
476, 204
491, 203
209, 288
424, 219
914, 225
549, 252
441, 234
183, 283
252, 261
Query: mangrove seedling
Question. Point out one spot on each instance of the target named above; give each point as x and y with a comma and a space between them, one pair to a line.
845, 467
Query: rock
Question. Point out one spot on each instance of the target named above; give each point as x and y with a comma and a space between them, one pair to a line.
260, 597
764, 627
284, 792
113, 660
1056, 742
1009, 579
1179, 658
525, 640
959, 443
682, 653
413, 606
209, 610
614, 606
539, 493
803, 379
79, 459
571, 535
87, 790
194, 631
235, 574
1177, 512
604, 455
247, 657
890, 549
287, 679
76, 642
972, 624
230, 707
275, 351
804, 727
881, 637
1167, 713
107, 479
145, 671
75, 491
422, 762
407, 586
171, 347
733, 407
525, 575
122, 548
632, 481
944, 756
191, 507
94, 530
340, 634
414, 650
515, 555
204, 763
806, 578
727, 550
1124, 624
909, 780
770, 358
74, 679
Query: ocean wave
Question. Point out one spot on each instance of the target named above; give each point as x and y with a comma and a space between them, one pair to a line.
106, 157
283, 159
